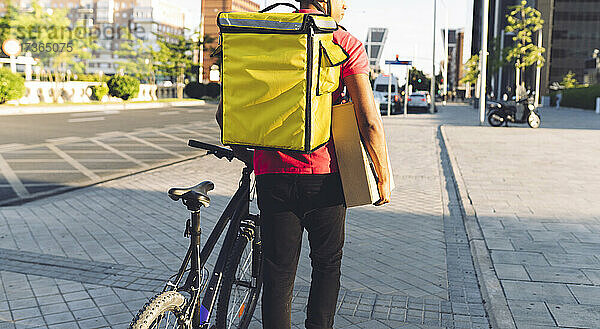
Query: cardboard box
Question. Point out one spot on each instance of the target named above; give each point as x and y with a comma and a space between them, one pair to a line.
356, 170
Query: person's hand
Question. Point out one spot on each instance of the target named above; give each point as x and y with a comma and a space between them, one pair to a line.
244, 154
385, 192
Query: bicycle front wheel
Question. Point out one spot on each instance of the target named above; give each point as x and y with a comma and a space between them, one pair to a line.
242, 281
163, 311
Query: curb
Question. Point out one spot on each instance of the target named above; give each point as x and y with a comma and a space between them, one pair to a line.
495, 302
20, 110
37, 196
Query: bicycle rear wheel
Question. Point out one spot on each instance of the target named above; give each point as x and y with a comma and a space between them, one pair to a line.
161, 312
242, 281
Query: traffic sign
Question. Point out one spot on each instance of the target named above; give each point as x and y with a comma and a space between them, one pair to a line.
397, 62
11, 47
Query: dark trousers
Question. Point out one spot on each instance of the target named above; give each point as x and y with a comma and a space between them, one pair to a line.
290, 203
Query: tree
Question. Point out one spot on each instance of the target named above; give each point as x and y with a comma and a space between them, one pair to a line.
471, 71
524, 21
47, 34
419, 80
174, 57
138, 58
569, 81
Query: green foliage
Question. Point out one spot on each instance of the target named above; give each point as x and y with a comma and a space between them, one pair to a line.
200, 90
12, 86
138, 58
174, 56
123, 86
41, 26
471, 71
523, 21
98, 92
419, 80
583, 98
195, 90
569, 81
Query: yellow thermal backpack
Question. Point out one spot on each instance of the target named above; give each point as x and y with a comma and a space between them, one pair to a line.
279, 71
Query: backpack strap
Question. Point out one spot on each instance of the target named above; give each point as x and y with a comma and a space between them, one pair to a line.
273, 6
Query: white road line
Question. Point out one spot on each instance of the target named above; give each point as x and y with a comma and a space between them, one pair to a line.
85, 119
137, 139
171, 136
61, 140
9, 147
196, 133
73, 162
167, 113
91, 114
119, 153
110, 134
13, 179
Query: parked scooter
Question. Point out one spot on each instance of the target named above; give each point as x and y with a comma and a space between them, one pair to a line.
523, 112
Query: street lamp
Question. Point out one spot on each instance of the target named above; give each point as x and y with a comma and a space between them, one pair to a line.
483, 60
432, 89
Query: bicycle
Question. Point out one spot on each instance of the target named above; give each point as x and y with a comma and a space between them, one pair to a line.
237, 276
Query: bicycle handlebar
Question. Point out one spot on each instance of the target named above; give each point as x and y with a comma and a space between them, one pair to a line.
218, 151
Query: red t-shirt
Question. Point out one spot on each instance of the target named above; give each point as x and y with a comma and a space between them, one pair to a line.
322, 160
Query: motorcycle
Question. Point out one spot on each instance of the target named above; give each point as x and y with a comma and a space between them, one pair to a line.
523, 112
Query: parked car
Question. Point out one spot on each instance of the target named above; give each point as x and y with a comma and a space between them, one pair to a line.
419, 99
380, 91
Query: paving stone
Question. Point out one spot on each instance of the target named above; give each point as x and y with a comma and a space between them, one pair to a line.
537, 291
530, 313
518, 257
586, 294
557, 274
576, 316
511, 272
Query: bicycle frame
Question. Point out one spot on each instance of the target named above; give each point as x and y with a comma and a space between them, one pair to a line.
237, 209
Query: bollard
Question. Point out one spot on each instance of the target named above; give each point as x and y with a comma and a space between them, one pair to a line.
598, 105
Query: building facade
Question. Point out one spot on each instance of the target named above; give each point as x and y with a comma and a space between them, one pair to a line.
570, 35
455, 56
210, 11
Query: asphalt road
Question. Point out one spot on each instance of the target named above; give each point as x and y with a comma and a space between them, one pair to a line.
49, 153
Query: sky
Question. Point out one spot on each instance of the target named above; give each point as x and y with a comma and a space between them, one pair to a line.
410, 24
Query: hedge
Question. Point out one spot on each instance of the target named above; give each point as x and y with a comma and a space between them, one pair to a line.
583, 97
200, 90
123, 86
98, 92
12, 85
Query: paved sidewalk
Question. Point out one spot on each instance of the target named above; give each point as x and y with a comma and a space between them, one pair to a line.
535, 194
90, 258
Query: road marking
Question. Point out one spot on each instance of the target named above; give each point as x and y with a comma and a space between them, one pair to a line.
85, 119
171, 136
73, 162
10, 147
197, 133
111, 134
61, 140
13, 179
137, 139
167, 113
119, 153
91, 114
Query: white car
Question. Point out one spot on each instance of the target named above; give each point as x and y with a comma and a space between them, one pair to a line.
380, 92
419, 100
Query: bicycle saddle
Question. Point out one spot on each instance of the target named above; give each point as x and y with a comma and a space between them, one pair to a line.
196, 193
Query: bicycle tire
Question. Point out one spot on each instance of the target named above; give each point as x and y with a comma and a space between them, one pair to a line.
158, 306
244, 314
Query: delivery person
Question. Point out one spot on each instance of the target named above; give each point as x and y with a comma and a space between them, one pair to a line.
303, 191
